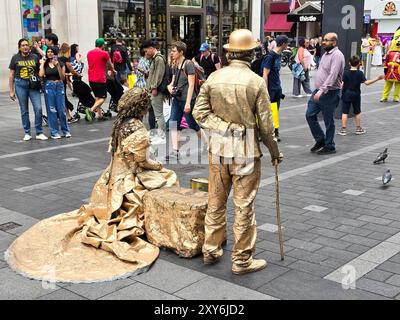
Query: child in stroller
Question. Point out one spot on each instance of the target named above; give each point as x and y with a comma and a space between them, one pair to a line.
86, 100
116, 90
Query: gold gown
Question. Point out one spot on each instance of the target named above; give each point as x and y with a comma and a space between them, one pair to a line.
102, 240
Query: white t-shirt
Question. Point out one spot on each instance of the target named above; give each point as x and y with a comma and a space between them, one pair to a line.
365, 46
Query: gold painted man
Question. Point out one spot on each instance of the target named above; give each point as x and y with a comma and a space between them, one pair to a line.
234, 106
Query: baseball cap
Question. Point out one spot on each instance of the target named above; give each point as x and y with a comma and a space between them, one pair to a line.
204, 47
282, 39
100, 42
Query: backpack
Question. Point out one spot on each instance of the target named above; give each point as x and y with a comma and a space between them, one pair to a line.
167, 78
256, 66
117, 56
199, 79
212, 58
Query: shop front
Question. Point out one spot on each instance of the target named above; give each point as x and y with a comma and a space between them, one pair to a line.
386, 15
191, 21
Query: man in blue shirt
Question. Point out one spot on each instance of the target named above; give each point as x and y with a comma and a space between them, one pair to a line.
271, 67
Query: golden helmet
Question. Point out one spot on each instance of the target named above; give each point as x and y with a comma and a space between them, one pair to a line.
241, 40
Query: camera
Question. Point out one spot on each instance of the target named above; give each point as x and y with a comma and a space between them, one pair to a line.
176, 93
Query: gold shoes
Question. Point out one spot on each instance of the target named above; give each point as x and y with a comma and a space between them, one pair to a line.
256, 265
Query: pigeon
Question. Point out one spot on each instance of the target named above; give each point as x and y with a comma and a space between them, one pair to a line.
387, 177
381, 157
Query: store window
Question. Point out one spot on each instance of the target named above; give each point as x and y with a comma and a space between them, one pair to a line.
212, 24
158, 23
128, 24
33, 23
187, 3
235, 16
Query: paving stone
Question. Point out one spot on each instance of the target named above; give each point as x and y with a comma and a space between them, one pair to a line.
354, 192
395, 258
61, 294
216, 289
163, 276
308, 246
323, 223
95, 291
360, 240
394, 280
337, 253
333, 243
349, 222
354, 230
296, 285
390, 267
357, 248
377, 287
306, 256
375, 220
16, 287
315, 269
139, 291
328, 233
381, 253
378, 275
315, 208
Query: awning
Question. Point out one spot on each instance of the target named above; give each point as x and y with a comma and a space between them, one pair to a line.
278, 23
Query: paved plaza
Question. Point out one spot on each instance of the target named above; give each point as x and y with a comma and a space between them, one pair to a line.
337, 216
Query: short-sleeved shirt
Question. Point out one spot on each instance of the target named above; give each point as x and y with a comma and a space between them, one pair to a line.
97, 60
25, 67
208, 63
352, 80
273, 62
183, 81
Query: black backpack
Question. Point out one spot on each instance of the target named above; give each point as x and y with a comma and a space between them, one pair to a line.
256, 66
167, 78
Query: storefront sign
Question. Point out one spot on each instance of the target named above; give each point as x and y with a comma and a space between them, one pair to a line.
390, 9
304, 18
32, 19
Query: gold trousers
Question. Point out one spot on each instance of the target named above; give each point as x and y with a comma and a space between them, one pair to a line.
245, 178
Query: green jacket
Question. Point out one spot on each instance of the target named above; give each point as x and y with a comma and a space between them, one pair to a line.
156, 72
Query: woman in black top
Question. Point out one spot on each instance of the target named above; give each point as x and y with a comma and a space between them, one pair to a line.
53, 73
24, 68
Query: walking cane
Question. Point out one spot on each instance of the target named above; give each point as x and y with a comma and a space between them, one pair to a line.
278, 211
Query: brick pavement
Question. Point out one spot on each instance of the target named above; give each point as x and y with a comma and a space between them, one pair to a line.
333, 209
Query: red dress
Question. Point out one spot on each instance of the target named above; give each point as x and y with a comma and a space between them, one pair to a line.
392, 65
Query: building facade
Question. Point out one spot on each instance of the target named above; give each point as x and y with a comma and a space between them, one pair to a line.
192, 21
74, 21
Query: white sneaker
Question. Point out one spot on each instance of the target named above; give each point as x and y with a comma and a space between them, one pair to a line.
56, 137
68, 135
27, 137
298, 96
309, 94
41, 137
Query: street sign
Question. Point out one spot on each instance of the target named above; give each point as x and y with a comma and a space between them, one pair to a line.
304, 17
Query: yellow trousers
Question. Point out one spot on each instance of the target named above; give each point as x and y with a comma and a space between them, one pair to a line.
388, 88
245, 179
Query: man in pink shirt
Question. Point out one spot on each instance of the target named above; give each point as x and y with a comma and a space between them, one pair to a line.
99, 60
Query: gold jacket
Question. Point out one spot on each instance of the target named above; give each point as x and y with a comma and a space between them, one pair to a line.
236, 95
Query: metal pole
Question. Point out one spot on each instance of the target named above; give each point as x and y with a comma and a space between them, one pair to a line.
368, 66
322, 17
278, 212
297, 34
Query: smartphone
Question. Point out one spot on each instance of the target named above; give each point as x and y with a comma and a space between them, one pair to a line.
55, 58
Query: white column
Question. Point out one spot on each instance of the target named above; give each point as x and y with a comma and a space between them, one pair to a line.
11, 31
256, 19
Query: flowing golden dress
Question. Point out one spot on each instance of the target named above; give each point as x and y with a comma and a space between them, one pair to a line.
102, 240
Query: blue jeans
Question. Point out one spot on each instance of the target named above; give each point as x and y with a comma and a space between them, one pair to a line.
23, 94
54, 93
177, 112
327, 104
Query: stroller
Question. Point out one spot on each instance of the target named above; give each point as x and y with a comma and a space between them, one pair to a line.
86, 100
116, 90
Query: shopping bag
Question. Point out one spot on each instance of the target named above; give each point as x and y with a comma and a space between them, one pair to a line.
131, 80
275, 114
